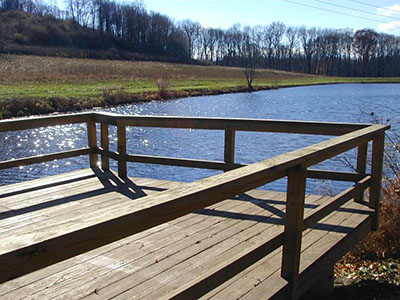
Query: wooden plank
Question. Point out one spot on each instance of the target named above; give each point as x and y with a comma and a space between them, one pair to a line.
211, 268
42, 182
333, 175
66, 230
43, 158
334, 245
183, 263
337, 201
167, 247
296, 189
229, 149
378, 148
283, 126
361, 167
73, 197
316, 244
179, 223
111, 225
92, 142
105, 160
121, 133
77, 274
36, 206
36, 122
263, 279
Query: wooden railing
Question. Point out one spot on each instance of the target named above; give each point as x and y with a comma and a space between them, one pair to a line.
236, 180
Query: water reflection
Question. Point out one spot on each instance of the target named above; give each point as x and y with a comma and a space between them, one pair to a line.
335, 103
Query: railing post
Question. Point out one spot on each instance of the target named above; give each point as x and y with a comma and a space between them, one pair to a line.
92, 141
296, 188
229, 152
378, 145
121, 132
361, 167
105, 160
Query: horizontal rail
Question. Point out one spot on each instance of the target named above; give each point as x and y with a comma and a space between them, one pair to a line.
319, 152
37, 122
283, 126
333, 175
179, 162
43, 158
336, 202
279, 126
170, 161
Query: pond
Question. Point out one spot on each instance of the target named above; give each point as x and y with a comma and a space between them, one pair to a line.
365, 103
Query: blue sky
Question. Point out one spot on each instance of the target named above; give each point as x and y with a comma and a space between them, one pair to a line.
224, 13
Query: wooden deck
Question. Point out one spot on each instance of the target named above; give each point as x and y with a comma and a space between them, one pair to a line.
181, 258
97, 234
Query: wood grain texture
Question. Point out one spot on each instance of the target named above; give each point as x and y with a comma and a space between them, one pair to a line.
378, 145
43, 158
361, 167
334, 175
36, 122
283, 126
105, 160
296, 189
122, 168
229, 149
59, 219
92, 141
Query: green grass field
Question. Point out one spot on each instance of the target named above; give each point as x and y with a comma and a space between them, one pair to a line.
36, 85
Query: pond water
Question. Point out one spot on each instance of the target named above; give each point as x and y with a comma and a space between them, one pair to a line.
365, 103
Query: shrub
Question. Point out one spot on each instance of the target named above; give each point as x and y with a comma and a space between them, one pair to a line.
385, 242
163, 86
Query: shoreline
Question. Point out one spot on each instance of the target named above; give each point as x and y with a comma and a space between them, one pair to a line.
27, 106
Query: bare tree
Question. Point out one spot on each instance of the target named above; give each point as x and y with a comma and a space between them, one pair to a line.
308, 41
365, 42
250, 56
192, 31
79, 11
2, 37
292, 37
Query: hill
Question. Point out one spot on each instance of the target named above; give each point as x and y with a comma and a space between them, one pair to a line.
40, 85
44, 35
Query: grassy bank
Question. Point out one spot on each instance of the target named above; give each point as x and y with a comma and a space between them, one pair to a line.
38, 85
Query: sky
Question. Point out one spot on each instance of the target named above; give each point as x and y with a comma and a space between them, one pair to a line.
381, 15
224, 13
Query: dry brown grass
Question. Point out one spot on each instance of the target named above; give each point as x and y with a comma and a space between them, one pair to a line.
35, 68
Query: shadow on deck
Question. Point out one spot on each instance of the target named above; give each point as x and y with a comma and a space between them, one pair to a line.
95, 234
158, 262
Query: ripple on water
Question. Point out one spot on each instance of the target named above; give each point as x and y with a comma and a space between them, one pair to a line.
334, 103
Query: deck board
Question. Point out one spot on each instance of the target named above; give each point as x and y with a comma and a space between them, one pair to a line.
174, 258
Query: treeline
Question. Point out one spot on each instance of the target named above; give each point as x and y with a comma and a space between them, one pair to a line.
95, 25
129, 26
